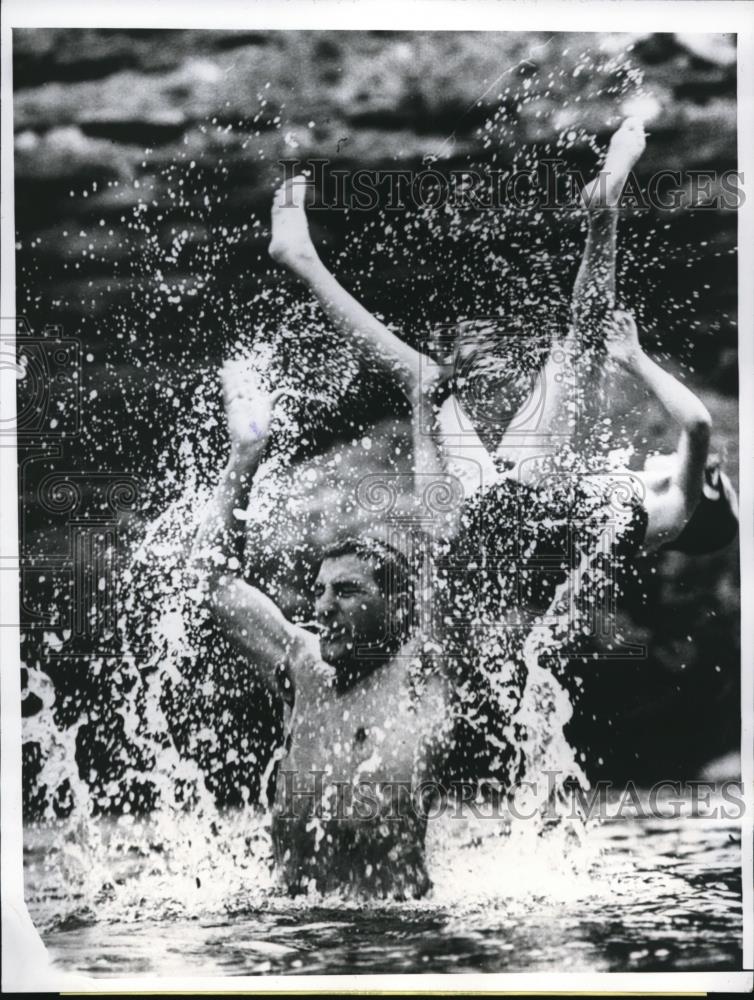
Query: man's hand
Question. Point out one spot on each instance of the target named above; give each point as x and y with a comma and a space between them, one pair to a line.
622, 340
248, 407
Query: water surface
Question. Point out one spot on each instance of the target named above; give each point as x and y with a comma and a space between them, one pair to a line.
654, 894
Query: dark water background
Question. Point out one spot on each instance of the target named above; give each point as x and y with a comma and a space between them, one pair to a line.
95, 109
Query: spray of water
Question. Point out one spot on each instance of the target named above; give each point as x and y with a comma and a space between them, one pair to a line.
185, 850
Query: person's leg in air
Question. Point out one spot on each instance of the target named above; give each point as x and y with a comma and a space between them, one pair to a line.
569, 381
540, 451
420, 378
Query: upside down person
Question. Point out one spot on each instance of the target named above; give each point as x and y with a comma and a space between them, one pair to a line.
353, 722
521, 509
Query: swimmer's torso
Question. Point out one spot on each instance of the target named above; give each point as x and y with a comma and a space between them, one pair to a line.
343, 815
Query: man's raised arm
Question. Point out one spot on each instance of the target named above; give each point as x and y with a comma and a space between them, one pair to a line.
250, 618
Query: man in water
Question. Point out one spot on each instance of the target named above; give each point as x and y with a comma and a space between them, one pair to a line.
360, 739
352, 720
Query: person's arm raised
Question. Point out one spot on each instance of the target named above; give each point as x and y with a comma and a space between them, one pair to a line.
668, 511
250, 618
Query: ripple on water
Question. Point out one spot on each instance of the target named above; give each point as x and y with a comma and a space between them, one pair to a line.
504, 900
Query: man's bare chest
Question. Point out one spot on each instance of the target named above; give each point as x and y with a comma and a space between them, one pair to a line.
371, 732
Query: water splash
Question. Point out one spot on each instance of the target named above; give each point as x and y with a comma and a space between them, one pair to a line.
284, 334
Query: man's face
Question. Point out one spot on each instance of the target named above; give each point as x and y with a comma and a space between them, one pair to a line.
349, 606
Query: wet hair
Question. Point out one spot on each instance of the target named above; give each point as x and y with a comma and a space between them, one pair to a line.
392, 568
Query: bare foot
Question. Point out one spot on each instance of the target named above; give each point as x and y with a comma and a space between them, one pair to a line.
626, 146
291, 243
